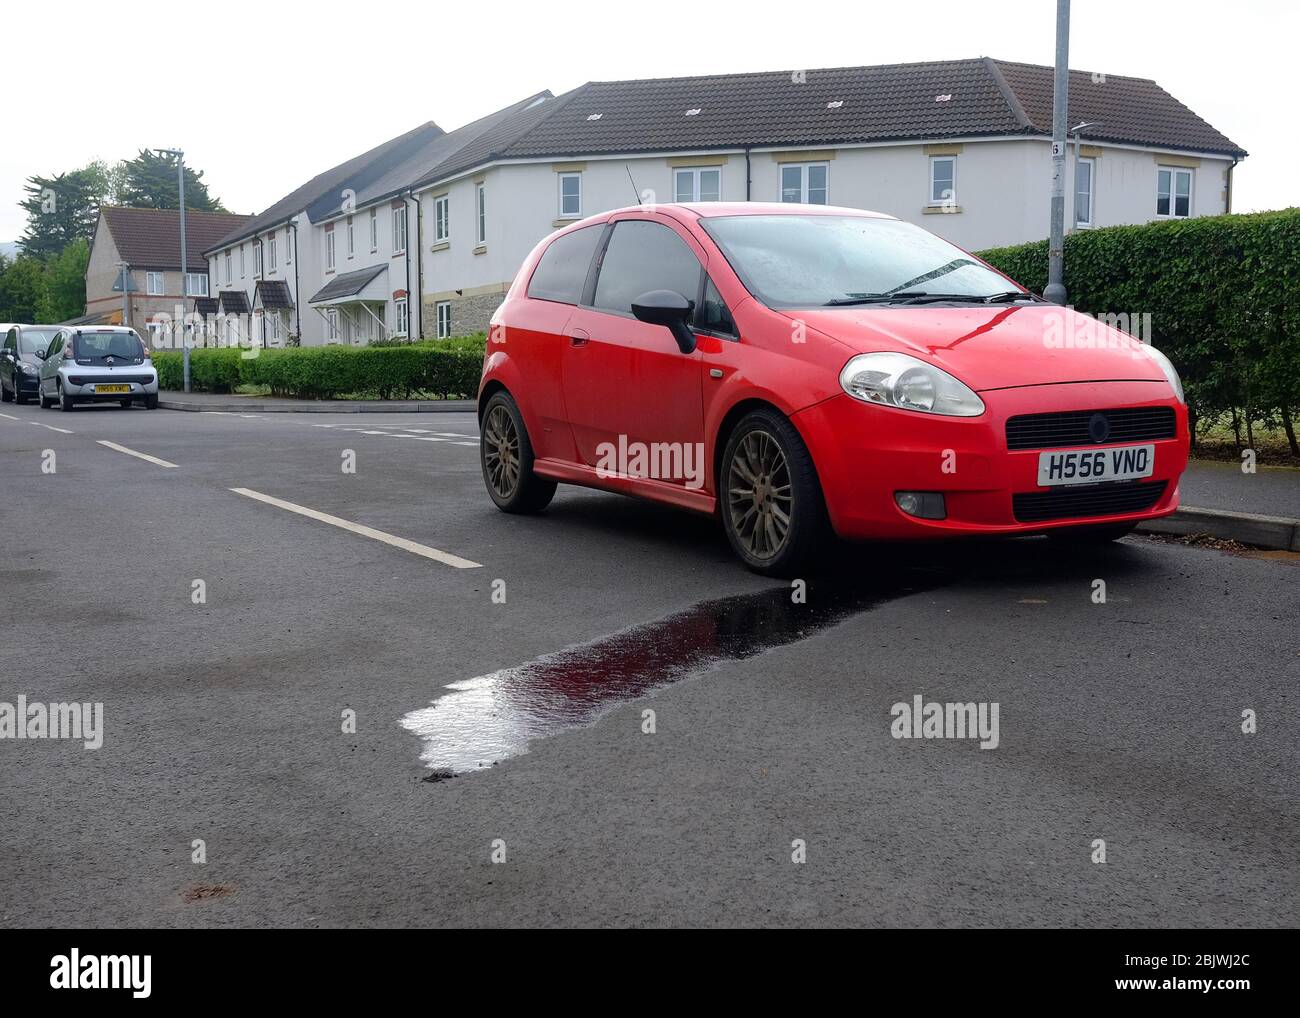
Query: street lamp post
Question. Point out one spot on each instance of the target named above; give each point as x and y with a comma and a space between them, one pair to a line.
1055, 289
185, 339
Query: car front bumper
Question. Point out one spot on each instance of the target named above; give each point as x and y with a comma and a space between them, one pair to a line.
864, 454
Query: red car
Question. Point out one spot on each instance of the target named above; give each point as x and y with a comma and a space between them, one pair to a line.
798, 370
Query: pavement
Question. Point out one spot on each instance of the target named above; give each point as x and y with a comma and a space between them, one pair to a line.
282, 753
1269, 491
240, 403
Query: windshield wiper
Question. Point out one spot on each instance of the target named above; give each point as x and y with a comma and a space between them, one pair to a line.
1008, 296
923, 297
873, 298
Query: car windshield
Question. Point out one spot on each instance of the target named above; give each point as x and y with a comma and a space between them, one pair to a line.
92, 346
805, 261
35, 340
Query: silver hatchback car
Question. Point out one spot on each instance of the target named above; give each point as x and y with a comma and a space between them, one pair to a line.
97, 364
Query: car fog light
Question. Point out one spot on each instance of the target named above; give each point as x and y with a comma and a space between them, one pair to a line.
927, 505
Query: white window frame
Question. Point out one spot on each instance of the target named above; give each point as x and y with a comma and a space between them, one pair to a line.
401, 322
154, 290
480, 213
331, 324
374, 230
442, 316
270, 251
329, 251
1173, 191
399, 228
288, 247
241, 261
352, 238
560, 178
192, 289
257, 258
442, 218
273, 318
803, 169
229, 257
1091, 162
695, 172
951, 198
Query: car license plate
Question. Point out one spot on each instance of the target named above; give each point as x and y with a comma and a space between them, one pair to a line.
112, 388
1088, 466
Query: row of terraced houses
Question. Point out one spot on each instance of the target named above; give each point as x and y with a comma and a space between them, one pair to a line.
420, 237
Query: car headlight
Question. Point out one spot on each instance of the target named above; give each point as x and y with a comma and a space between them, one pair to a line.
897, 380
1167, 366
29, 369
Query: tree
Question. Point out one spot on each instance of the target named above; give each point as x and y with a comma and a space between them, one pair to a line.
65, 283
22, 290
60, 209
149, 182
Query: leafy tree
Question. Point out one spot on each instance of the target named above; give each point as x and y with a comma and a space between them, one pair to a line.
149, 182
22, 290
59, 210
65, 283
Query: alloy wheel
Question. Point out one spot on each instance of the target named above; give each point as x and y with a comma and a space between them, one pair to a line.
501, 451
760, 496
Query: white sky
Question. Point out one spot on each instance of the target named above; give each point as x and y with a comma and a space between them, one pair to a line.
276, 92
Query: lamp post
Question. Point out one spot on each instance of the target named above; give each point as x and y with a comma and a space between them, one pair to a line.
1076, 131
1055, 289
180, 179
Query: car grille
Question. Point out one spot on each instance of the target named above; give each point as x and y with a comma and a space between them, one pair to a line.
108, 379
1052, 431
1098, 500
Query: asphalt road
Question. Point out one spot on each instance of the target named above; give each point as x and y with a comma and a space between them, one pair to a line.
223, 721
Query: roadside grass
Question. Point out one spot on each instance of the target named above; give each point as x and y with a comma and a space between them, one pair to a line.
1216, 440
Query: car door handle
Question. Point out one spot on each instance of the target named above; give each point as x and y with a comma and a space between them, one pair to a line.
579, 337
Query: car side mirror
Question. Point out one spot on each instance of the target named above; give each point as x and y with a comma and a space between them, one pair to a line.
40, 354
669, 309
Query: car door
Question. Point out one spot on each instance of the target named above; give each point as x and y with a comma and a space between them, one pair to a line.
50, 365
9, 361
628, 389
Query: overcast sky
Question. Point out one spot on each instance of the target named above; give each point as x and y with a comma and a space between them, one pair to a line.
269, 94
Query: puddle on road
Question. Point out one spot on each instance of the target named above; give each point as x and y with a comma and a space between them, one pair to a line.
492, 717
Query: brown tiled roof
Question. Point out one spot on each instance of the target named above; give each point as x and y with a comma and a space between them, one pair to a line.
895, 102
151, 238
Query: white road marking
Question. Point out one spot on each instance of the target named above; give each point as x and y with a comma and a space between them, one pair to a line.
446, 558
11, 417
61, 431
138, 455
420, 438
472, 445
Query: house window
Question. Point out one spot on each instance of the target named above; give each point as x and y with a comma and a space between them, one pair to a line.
443, 311
329, 250
570, 196
257, 258
270, 251
288, 248
230, 330
241, 261
374, 230
480, 213
352, 240
804, 182
698, 184
154, 284
229, 277
196, 284
943, 180
1084, 172
442, 218
399, 228
273, 325
400, 320
331, 324
1173, 192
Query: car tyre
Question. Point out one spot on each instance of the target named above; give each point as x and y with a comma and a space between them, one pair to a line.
769, 497
151, 402
506, 456
4, 393
65, 401
42, 400
20, 397
1088, 536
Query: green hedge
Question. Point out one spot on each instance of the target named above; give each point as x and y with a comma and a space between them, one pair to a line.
1223, 293
448, 369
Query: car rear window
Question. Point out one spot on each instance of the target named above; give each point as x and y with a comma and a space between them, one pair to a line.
561, 273
98, 345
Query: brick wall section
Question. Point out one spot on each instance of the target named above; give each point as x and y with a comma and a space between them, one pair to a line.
468, 314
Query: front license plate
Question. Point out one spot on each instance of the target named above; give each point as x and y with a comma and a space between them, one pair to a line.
112, 388
1088, 466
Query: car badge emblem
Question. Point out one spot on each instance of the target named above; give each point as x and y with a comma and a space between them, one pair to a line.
108, 360
1099, 428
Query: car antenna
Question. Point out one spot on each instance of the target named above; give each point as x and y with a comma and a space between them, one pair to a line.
633, 182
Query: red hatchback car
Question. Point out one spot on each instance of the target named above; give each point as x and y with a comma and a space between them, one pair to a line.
800, 369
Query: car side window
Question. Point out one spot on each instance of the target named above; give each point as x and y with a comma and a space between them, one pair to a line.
561, 273
712, 314
56, 344
11, 340
644, 256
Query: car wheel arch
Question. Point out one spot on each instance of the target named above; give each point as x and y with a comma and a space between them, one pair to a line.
734, 415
